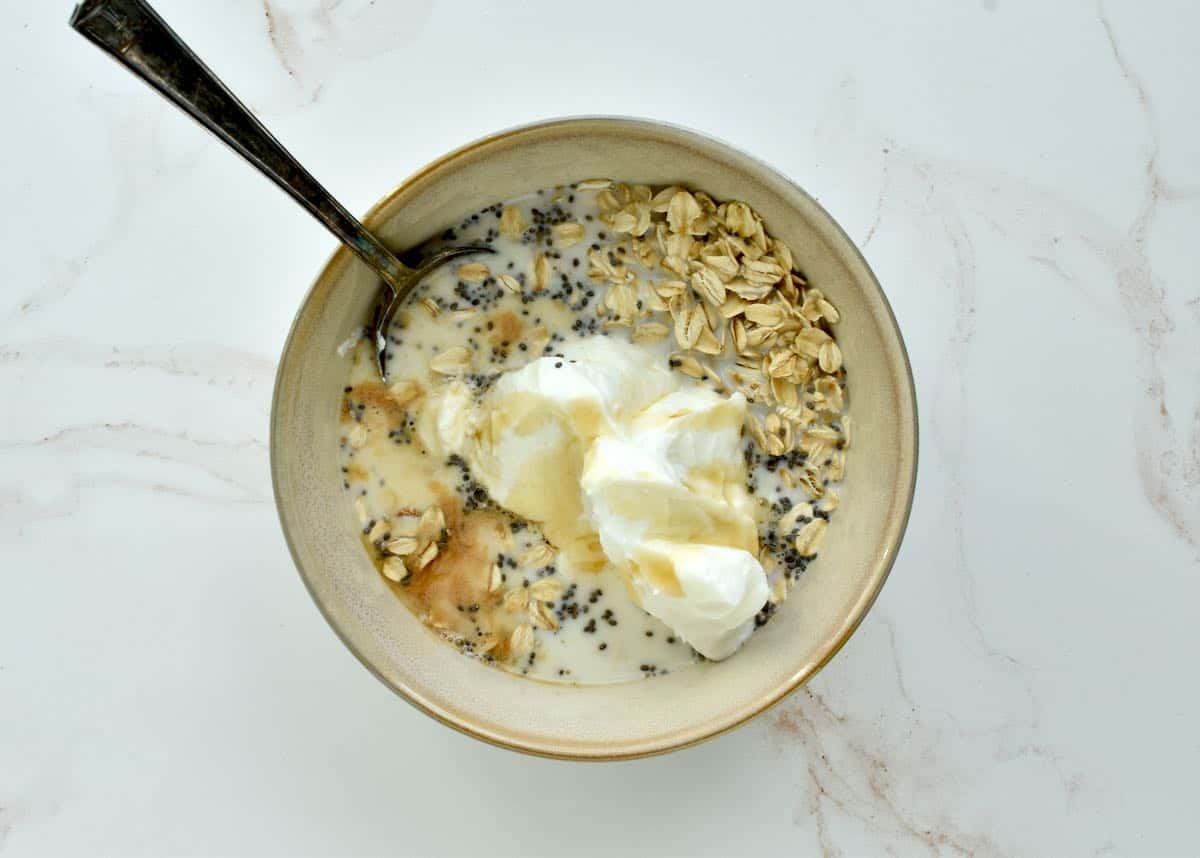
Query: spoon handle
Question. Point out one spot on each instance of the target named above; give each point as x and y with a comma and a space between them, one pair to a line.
133, 34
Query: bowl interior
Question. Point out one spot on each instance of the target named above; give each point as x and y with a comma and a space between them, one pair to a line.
633, 718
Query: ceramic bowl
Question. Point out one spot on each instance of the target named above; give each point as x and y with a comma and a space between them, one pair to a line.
629, 719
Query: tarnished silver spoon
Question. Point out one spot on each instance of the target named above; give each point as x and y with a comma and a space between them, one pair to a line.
134, 34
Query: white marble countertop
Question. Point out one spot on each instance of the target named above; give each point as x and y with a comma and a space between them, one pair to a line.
1022, 177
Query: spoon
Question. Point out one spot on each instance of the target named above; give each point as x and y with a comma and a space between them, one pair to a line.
133, 34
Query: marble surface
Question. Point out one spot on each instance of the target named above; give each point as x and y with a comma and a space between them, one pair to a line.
1022, 177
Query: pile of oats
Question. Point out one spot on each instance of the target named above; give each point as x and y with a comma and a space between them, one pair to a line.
409, 542
742, 318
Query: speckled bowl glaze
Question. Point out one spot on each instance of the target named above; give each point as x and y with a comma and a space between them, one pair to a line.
631, 719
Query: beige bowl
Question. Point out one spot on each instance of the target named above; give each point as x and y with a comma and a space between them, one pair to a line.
630, 719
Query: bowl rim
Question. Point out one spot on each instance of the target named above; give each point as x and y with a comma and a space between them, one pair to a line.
341, 256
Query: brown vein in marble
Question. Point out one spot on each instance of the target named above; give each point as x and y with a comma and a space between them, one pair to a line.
1169, 469
883, 771
812, 723
282, 37
888, 624
891, 770
1051, 262
883, 187
935, 193
321, 44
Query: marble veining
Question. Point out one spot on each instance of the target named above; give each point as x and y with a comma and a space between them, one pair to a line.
313, 43
1023, 182
1170, 474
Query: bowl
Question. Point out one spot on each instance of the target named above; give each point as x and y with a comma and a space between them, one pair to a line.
629, 719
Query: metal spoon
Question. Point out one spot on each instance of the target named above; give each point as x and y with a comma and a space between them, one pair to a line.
133, 33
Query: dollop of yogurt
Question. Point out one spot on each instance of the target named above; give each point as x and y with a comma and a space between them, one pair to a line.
626, 463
